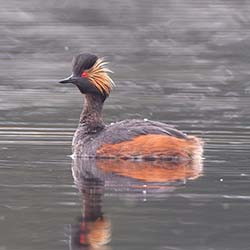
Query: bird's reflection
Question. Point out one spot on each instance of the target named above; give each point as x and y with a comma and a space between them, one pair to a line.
93, 230
92, 177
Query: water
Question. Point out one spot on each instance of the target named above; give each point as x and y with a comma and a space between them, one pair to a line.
181, 62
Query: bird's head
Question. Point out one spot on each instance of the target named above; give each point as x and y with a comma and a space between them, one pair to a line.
90, 75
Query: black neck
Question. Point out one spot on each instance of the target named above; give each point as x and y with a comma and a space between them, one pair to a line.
91, 116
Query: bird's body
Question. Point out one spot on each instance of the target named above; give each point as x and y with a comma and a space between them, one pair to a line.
135, 139
128, 139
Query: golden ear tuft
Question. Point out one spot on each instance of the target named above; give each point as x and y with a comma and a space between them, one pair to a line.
98, 75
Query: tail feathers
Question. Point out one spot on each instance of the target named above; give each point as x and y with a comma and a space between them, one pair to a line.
197, 149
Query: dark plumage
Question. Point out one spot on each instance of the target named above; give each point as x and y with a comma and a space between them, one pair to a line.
83, 62
125, 139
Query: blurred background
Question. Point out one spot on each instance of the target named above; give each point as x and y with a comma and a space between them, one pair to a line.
177, 54
184, 62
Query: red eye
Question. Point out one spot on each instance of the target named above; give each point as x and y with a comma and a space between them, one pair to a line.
84, 74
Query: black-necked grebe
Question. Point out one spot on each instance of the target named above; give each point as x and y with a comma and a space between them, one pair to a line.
128, 139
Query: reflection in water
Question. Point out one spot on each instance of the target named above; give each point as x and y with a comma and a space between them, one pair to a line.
91, 177
93, 229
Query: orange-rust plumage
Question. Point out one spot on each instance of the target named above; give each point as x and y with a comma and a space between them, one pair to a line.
153, 146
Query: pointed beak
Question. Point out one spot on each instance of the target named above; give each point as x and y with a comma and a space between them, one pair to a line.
67, 80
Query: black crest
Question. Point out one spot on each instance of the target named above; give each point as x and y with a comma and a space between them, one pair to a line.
83, 62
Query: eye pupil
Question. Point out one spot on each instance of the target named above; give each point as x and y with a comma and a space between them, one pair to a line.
84, 74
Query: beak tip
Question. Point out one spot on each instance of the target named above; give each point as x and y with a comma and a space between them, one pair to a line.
66, 80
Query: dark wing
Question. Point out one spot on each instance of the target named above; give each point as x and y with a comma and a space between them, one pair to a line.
128, 129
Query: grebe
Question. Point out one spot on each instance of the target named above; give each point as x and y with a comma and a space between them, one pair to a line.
128, 139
